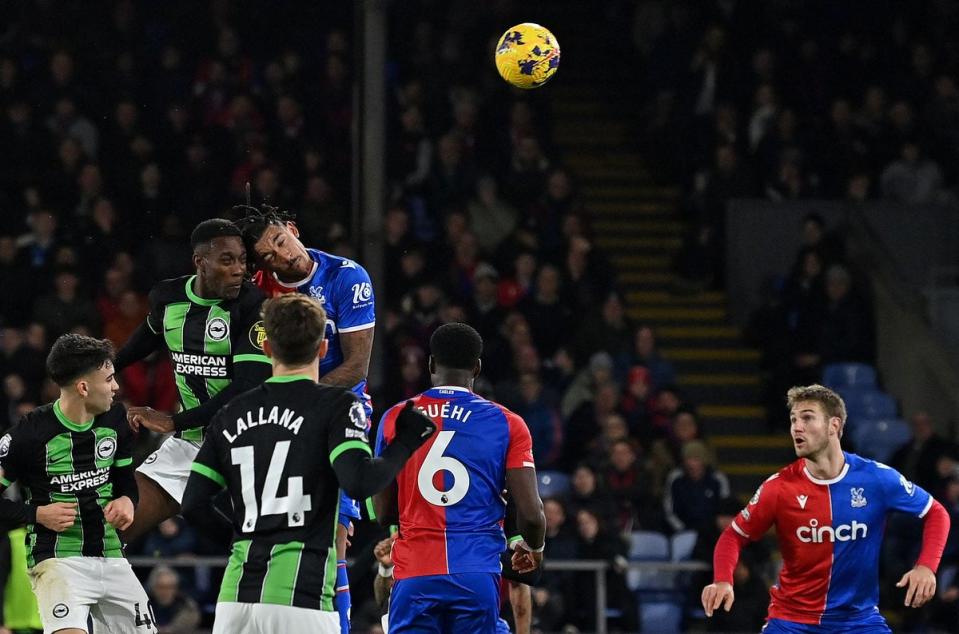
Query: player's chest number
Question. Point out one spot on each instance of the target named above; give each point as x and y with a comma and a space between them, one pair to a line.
436, 461
294, 503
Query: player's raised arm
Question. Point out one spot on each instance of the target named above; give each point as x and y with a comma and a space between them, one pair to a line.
360, 474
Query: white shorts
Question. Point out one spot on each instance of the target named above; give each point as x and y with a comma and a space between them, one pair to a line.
169, 466
268, 618
71, 588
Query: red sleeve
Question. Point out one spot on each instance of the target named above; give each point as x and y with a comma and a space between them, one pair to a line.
520, 451
935, 531
726, 555
268, 284
754, 520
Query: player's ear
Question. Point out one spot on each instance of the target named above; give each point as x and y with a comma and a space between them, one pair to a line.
431, 365
82, 388
267, 349
321, 350
477, 368
291, 227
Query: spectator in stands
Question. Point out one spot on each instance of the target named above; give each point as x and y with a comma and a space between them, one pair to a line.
597, 541
919, 458
588, 492
547, 309
847, 330
583, 425
66, 308
912, 179
805, 304
635, 403
15, 282
629, 484
692, 492
538, 408
609, 329
175, 612
666, 453
646, 353
491, 218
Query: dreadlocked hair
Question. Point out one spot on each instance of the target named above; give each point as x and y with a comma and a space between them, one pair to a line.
255, 220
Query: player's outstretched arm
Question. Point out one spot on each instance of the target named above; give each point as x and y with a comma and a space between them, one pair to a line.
360, 475
140, 345
725, 557
920, 582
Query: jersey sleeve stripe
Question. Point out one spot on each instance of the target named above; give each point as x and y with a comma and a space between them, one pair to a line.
5, 482
739, 530
370, 509
529, 464
356, 328
123, 462
204, 470
262, 358
928, 506
346, 446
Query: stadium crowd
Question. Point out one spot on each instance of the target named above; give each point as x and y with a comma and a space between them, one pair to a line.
111, 154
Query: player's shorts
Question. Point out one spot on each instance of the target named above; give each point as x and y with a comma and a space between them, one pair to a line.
464, 602
869, 624
70, 589
169, 466
267, 618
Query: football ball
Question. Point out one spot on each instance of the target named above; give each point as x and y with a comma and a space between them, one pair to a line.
527, 55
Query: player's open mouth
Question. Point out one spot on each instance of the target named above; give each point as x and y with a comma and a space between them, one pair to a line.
799, 442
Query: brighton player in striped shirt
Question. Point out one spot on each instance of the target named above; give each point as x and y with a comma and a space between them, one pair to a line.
448, 498
829, 508
73, 461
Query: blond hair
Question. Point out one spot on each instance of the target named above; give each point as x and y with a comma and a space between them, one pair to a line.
831, 403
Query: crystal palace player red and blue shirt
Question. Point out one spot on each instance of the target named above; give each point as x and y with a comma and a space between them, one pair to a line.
449, 494
830, 534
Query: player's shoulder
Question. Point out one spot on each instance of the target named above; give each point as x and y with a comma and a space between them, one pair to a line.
169, 291
40, 422
336, 267
250, 297
115, 418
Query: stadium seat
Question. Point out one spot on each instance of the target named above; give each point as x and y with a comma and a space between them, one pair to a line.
879, 439
649, 546
553, 484
867, 403
837, 375
681, 545
663, 617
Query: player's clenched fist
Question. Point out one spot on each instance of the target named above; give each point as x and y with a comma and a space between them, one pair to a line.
718, 594
58, 516
119, 512
413, 427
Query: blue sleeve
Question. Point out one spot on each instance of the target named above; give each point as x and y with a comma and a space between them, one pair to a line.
355, 307
901, 494
380, 443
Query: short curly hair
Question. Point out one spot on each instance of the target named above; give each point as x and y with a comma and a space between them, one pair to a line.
832, 404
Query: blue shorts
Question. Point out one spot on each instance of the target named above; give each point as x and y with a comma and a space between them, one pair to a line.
871, 624
464, 602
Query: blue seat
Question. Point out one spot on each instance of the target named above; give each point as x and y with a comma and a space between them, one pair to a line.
649, 546
663, 617
879, 439
681, 545
836, 375
553, 484
867, 403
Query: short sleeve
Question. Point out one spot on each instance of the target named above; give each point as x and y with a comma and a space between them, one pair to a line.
355, 308
249, 333
12, 453
519, 454
385, 430
207, 461
348, 427
760, 513
155, 316
900, 494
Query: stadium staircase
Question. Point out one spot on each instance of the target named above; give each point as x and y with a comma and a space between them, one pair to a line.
637, 223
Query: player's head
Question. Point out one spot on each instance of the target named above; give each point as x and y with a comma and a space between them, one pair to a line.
295, 328
83, 366
274, 241
219, 257
455, 351
817, 416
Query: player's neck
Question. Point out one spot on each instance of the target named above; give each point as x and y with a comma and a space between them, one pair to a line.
827, 465
312, 370
200, 288
75, 408
453, 378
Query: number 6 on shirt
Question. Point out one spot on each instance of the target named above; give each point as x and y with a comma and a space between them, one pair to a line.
435, 461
